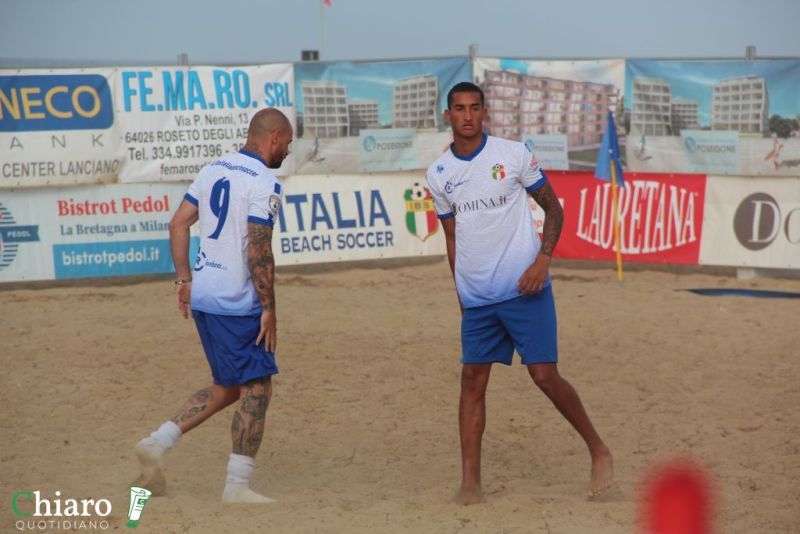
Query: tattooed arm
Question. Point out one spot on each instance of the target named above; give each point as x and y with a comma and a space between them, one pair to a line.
261, 263
535, 277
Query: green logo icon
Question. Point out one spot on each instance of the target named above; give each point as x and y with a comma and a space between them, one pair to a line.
139, 498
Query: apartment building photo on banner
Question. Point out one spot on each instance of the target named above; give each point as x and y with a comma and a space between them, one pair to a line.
717, 117
558, 108
373, 116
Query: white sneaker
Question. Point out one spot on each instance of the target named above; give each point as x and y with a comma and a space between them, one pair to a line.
151, 460
240, 493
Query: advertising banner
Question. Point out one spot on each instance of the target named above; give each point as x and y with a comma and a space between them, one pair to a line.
552, 150
661, 217
343, 218
385, 150
713, 117
80, 232
752, 222
337, 101
115, 230
174, 120
566, 101
58, 127
706, 151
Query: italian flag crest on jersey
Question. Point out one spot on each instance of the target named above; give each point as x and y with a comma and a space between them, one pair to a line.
498, 172
421, 218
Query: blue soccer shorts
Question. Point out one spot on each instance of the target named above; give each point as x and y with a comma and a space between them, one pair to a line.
231, 350
527, 323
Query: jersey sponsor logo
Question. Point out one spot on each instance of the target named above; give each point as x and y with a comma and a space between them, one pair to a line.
421, 220
11, 235
450, 186
479, 204
200, 260
498, 172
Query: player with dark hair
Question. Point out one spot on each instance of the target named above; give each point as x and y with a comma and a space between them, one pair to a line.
480, 189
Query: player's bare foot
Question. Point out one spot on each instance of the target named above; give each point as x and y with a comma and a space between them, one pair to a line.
602, 474
236, 493
469, 496
151, 461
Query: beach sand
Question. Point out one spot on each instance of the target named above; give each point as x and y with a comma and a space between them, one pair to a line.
362, 430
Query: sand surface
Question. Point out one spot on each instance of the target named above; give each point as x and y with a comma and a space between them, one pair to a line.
362, 431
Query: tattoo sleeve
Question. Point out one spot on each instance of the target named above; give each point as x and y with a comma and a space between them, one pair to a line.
553, 217
261, 263
196, 404
247, 428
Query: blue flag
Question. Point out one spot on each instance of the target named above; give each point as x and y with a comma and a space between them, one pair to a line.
609, 151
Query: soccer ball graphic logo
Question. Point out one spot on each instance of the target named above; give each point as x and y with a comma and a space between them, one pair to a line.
419, 192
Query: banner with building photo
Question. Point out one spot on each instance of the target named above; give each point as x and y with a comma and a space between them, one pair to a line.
86, 231
752, 222
337, 101
58, 127
718, 117
174, 120
558, 108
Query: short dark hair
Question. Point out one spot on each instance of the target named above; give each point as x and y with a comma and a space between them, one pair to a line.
463, 87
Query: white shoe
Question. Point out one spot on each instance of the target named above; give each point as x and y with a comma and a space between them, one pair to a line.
240, 493
151, 460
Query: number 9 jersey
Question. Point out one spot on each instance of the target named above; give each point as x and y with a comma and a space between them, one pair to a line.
230, 193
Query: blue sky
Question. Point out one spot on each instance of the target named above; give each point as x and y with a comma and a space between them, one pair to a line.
153, 32
694, 80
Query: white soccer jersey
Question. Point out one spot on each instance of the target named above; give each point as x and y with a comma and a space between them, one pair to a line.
229, 193
487, 193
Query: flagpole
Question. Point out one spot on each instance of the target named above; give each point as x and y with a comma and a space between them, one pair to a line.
321, 27
615, 208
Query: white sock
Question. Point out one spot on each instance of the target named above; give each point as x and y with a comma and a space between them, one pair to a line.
167, 435
240, 468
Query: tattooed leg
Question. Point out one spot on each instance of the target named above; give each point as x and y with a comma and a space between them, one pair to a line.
247, 427
203, 404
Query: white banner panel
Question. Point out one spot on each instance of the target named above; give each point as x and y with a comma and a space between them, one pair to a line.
387, 150
81, 232
551, 150
342, 218
58, 127
716, 152
122, 229
752, 222
175, 120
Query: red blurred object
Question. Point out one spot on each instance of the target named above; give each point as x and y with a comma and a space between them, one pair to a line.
677, 500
